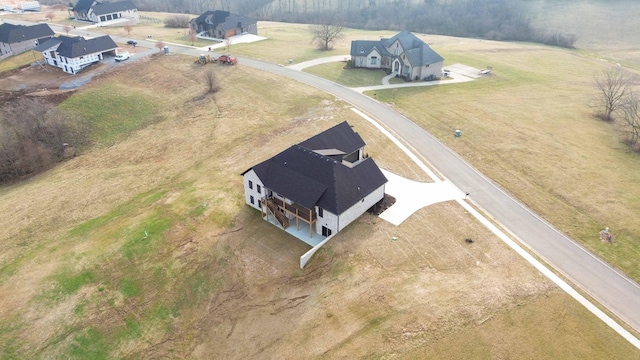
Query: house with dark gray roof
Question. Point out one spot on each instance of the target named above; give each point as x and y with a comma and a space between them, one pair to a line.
404, 55
223, 24
326, 182
16, 39
102, 11
72, 54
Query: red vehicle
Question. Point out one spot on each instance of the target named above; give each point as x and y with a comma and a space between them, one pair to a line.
227, 59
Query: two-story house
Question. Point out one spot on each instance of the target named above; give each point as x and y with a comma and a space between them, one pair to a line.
72, 54
16, 39
101, 11
404, 55
223, 24
326, 182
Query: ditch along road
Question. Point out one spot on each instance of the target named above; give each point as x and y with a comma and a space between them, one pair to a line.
612, 289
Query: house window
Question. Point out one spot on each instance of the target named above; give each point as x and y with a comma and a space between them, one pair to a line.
259, 189
326, 231
251, 199
397, 52
320, 212
374, 60
361, 61
250, 184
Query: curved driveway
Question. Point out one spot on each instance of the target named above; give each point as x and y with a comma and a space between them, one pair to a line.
612, 289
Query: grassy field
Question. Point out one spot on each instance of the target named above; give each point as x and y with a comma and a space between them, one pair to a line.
143, 247
16, 61
533, 132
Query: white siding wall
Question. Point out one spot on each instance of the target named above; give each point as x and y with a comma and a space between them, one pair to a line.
328, 220
360, 207
251, 176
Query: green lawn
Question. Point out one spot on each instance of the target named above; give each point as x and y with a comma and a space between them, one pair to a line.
16, 61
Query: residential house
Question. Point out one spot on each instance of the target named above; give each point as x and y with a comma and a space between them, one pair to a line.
72, 54
102, 11
223, 24
16, 39
19, 6
404, 55
326, 181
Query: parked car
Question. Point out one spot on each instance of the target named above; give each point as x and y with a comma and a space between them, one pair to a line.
132, 42
123, 56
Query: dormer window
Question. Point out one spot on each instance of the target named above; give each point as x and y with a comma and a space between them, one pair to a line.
361, 50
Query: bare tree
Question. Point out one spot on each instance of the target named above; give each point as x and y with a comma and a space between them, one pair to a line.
66, 29
50, 15
192, 36
631, 114
612, 86
160, 45
128, 28
325, 35
212, 82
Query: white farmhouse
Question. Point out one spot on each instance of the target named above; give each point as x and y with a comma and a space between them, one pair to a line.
326, 182
73, 54
102, 11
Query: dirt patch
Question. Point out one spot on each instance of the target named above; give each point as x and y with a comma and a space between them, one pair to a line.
33, 78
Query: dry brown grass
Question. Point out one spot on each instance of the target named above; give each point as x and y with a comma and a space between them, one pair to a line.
222, 281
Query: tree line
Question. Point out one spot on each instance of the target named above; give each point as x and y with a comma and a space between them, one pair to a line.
507, 20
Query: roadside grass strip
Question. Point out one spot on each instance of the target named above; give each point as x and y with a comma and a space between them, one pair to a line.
513, 245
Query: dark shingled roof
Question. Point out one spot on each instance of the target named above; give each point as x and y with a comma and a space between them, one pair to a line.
82, 6
364, 47
340, 137
418, 53
113, 7
10, 33
47, 44
311, 179
212, 17
72, 47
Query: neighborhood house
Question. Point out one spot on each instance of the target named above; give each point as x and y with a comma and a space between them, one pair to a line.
223, 25
99, 11
16, 39
73, 54
19, 6
404, 55
325, 182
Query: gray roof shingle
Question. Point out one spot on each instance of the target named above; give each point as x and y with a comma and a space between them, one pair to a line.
311, 179
10, 33
82, 6
73, 47
113, 7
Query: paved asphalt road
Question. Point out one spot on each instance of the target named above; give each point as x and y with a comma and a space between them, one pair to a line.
614, 290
